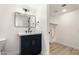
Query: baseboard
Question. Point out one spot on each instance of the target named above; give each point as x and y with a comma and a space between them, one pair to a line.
12, 53
17, 53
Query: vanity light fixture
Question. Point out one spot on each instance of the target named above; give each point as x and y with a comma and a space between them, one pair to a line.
26, 10
63, 5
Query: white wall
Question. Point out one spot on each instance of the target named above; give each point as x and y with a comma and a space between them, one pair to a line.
44, 24
67, 31
9, 31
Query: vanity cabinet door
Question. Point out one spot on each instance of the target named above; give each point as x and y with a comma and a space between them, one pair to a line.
36, 44
26, 45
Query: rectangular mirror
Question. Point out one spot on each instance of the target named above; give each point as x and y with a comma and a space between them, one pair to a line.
24, 20
21, 20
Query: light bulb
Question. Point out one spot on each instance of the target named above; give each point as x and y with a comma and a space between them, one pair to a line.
64, 10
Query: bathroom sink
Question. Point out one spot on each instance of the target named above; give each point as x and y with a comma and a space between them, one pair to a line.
24, 33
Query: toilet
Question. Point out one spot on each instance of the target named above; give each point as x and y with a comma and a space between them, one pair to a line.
2, 44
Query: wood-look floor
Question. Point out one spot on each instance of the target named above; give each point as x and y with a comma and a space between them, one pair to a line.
59, 49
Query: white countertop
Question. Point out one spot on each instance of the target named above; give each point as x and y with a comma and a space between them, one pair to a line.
24, 33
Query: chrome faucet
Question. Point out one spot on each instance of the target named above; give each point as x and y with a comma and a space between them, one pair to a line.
29, 30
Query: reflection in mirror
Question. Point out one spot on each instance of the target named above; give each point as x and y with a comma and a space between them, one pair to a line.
21, 20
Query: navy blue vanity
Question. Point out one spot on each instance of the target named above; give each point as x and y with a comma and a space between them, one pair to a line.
31, 44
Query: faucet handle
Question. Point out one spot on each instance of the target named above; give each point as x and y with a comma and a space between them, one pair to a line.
26, 31
30, 31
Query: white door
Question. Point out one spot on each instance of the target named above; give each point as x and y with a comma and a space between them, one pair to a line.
52, 32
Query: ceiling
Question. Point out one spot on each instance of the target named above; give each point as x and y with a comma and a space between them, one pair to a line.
56, 9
